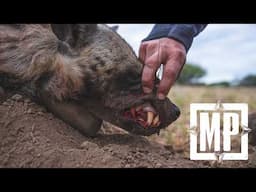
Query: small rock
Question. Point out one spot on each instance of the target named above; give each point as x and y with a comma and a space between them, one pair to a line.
42, 110
9, 100
16, 97
5, 103
9, 103
27, 100
87, 145
127, 166
39, 113
29, 111
158, 165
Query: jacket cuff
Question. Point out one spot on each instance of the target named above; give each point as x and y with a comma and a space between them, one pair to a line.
184, 33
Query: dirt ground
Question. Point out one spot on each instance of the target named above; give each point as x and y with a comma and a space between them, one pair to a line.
32, 137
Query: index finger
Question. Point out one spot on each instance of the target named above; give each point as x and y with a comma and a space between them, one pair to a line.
149, 72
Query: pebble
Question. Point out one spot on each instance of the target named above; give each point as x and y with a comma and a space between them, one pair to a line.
16, 97
127, 166
86, 145
5, 103
158, 165
27, 100
9, 101
39, 113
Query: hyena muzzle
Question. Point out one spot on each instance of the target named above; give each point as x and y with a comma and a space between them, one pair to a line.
84, 74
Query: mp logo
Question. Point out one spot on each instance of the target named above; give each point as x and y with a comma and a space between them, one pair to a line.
212, 126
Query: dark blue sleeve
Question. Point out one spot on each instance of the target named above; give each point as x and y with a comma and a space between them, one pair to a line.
183, 33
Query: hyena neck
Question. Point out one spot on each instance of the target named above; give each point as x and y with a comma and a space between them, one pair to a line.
13, 85
11, 82
63, 80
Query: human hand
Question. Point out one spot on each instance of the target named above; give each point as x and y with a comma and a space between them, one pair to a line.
153, 53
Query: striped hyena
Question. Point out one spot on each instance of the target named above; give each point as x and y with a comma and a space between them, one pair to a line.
83, 73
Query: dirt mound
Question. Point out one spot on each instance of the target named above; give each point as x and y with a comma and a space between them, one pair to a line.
32, 137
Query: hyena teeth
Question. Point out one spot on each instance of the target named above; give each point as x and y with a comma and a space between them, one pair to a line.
150, 116
140, 119
156, 120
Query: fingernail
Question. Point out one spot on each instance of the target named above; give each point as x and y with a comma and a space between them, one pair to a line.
161, 96
147, 90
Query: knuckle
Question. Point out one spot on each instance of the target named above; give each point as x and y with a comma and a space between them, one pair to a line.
147, 84
170, 73
180, 54
146, 79
152, 62
164, 88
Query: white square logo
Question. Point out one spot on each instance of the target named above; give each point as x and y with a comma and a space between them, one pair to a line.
212, 125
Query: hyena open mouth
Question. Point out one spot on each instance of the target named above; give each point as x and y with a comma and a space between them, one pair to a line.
144, 114
84, 74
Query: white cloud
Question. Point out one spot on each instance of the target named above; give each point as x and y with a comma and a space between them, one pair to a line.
226, 51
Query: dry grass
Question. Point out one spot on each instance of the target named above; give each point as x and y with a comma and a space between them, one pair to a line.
176, 134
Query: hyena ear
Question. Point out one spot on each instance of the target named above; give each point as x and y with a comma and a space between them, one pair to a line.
76, 35
115, 28
62, 31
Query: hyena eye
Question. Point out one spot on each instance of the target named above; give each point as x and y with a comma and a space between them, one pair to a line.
134, 79
127, 79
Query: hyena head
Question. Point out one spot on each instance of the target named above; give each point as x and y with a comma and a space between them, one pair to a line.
86, 65
111, 72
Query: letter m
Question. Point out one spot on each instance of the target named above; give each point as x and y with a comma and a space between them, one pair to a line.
207, 132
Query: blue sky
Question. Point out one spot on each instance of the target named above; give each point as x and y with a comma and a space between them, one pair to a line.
226, 51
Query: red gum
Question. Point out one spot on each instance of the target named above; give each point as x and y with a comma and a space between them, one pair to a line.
139, 116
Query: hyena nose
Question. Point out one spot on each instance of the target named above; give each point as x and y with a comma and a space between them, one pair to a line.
176, 111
